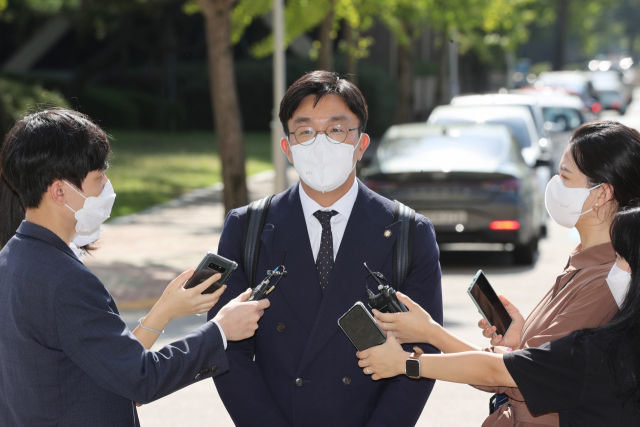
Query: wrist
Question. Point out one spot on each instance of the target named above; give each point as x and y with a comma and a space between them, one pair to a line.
159, 315
402, 363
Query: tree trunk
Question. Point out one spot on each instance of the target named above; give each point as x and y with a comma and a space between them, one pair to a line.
224, 98
562, 20
350, 38
325, 58
404, 112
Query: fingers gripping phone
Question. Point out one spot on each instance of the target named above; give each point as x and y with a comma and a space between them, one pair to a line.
211, 264
361, 328
489, 305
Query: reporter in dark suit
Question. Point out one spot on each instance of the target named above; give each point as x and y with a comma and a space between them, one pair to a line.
66, 356
305, 371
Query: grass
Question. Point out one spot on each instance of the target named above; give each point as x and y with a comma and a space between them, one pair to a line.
147, 168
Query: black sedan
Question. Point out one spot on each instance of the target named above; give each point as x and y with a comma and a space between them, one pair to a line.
470, 181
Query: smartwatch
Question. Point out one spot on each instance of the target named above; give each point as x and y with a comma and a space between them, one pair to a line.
412, 367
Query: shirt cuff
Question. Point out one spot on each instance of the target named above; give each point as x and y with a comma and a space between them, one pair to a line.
224, 337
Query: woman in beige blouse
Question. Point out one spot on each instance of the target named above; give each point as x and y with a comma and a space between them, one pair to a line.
599, 174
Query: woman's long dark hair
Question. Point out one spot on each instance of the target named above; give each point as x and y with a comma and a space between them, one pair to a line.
623, 351
609, 152
39, 149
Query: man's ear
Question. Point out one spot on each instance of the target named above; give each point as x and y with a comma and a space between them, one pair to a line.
284, 144
57, 192
364, 144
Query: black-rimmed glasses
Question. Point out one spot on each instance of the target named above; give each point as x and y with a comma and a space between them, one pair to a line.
306, 135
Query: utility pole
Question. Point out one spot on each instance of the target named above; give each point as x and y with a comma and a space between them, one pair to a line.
279, 82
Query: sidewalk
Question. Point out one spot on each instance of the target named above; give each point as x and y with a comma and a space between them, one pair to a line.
140, 254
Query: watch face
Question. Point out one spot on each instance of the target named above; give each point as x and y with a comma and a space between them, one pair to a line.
413, 368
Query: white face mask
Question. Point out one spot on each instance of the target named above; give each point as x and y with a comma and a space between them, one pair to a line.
94, 212
618, 281
565, 204
325, 164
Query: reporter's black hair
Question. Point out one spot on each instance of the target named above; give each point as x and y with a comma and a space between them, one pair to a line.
319, 84
623, 350
39, 149
609, 152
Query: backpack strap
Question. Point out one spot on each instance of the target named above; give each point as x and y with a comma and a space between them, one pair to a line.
403, 247
253, 225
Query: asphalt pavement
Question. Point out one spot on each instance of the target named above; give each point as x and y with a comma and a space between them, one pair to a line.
140, 254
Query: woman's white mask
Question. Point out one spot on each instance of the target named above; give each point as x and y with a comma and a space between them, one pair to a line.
94, 212
565, 204
618, 281
325, 164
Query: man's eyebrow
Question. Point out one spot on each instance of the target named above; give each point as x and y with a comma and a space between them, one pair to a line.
302, 119
339, 118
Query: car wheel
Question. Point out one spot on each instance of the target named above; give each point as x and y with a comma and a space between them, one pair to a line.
543, 230
524, 254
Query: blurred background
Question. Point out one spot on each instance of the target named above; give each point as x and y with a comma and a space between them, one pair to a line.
471, 104
149, 71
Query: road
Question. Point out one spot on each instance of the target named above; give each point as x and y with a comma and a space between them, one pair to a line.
450, 404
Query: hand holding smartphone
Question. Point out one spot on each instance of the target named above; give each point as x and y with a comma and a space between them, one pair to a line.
489, 305
211, 264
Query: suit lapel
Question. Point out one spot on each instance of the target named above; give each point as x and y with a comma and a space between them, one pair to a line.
288, 231
364, 240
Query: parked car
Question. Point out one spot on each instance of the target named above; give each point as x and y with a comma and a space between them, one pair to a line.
511, 99
517, 119
574, 82
471, 181
562, 114
613, 92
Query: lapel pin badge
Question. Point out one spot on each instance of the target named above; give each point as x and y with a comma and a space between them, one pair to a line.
387, 233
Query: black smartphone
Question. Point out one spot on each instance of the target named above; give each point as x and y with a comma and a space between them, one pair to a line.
210, 265
490, 306
361, 328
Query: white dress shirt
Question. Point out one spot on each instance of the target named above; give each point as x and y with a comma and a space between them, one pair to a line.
338, 222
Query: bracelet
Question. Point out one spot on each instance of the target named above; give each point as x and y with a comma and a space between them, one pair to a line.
148, 329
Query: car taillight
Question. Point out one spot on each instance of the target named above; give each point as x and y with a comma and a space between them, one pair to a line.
615, 104
510, 185
504, 225
596, 107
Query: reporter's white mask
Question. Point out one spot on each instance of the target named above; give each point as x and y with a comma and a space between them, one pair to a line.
325, 164
565, 204
618, 281
94, 212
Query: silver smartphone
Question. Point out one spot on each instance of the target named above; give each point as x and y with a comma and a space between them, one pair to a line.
489, 305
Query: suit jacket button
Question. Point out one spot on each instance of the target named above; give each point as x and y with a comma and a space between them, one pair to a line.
281, 327
346, 380
214, 369
299, 382
198, 377
206, 371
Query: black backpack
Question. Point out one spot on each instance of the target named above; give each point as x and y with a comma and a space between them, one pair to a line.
402, 248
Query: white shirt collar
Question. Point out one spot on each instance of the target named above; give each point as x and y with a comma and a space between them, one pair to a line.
343, 206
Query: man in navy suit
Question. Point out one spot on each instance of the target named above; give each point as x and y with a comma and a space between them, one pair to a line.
66, 356
300, 369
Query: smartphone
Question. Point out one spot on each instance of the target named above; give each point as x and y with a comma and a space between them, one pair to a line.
489, 305
361, 328
211, 264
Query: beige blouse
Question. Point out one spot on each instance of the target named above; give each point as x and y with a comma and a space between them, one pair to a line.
579, 299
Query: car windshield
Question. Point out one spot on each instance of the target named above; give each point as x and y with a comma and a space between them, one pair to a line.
516, 125
442, 153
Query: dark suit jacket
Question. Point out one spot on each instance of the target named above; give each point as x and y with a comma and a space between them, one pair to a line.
299, 337
66, 356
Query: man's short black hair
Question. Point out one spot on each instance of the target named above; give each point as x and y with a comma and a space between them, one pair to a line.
321, 83
50, 145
